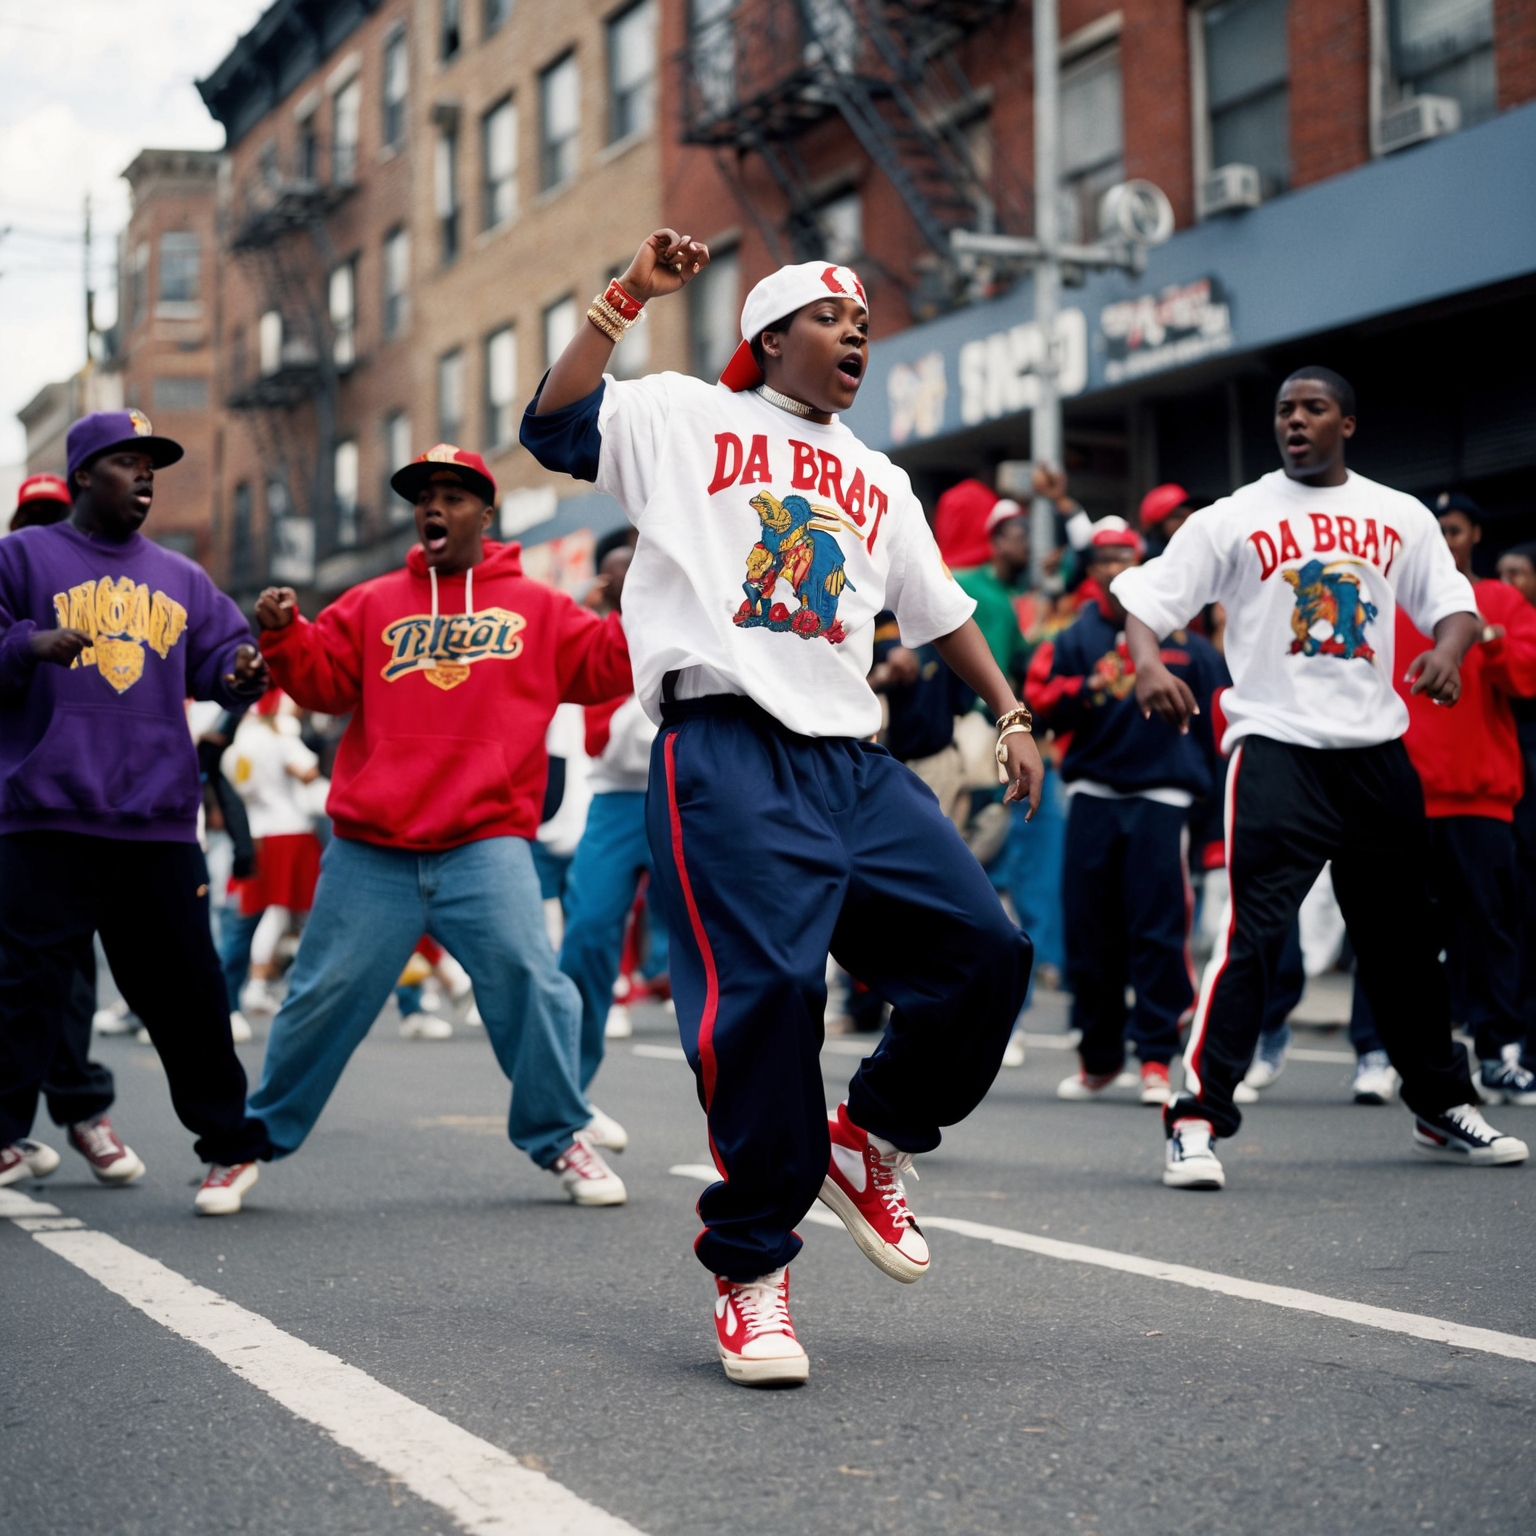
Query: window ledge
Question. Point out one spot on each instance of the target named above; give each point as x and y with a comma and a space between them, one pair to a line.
621, 147
388, 152
496, 231
179, 309
555, 193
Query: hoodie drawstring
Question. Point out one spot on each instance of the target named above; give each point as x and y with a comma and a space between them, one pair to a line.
469, 596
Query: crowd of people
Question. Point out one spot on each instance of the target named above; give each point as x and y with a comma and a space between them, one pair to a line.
954, 773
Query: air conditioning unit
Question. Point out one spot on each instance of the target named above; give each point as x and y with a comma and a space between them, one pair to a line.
1229, 188
1417, 119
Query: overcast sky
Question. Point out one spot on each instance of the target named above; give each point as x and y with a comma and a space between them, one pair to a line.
87, 84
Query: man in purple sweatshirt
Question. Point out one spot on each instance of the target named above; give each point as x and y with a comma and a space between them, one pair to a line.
103, 637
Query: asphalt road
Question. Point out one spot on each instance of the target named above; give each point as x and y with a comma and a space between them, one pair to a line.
1009, 1391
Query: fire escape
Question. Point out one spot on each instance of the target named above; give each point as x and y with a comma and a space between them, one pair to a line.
282, 240
757, 76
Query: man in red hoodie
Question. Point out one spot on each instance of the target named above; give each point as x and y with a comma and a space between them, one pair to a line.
450, 670
1470, 763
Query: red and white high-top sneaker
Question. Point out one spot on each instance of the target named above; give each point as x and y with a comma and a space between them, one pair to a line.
757, 1340
863, 1186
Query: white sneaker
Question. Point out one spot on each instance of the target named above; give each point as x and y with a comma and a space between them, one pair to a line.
455, 978
586, 1178
606, 1132
39, 1157
113, 1019
111, 1159
1244, 1093
222, 1189
142, 1036
1264, 1070
1461, 1135
257, 996
1375, 1079
239, 1028
1191, 1158
754, 1333
1013, 1056
1084, 1085
619, 1026
425, 1026
472, 1016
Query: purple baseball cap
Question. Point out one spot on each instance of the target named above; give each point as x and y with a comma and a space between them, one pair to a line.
102, 431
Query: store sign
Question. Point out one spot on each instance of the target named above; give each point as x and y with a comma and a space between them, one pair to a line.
1169, 329
1000, 373
917, 392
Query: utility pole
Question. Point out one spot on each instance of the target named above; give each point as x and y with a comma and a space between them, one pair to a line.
1045, 419
90, 293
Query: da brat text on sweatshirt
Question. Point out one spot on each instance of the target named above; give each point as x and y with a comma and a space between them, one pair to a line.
101, 747
1311, 579
768, 543
451, 684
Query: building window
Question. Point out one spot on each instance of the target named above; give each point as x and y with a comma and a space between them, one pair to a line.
559, 122
397, 279
842, 228
450, 395
293, 538
451, 33
346, 120
138, 282
446, 193
180, 392
242, 539
560, 324
1092, 140
632, 356
345, 484
712, 56
1247, 90
181, 256
632, 71
497, 13
714, 315
1445, 48
343, 308
269, 342
498, 154
397, 454
397, 80
308, 156
500, 387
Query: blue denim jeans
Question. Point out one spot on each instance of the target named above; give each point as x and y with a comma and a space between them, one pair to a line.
481, 903
599, 891
1029, 869
236, 931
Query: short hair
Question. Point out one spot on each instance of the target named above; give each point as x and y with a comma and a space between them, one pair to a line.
1335, 384
779, 326
1526, 551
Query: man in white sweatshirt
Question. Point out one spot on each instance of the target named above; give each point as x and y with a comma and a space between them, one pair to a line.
1310, 563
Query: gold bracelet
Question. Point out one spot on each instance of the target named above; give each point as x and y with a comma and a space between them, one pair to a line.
1020, 716
1016, 729
612, 314
612, 329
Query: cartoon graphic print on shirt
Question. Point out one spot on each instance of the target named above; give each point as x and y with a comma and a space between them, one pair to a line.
121, 616
805, 555
1331, 616
443, 648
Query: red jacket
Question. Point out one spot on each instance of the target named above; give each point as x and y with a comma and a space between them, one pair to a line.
446, 741
1468, 756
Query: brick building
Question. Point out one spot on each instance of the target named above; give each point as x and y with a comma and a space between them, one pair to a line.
420, 198
1353, 183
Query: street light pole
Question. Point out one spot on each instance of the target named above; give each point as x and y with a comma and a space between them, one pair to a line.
1045, 419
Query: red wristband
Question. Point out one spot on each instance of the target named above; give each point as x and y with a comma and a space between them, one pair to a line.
629, 308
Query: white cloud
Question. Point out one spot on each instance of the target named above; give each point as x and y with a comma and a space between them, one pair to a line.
87, 86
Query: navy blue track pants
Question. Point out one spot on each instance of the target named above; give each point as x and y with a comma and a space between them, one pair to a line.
771, 850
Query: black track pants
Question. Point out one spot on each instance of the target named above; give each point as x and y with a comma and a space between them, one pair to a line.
1289, 810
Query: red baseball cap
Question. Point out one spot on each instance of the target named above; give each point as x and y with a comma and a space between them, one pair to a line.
451, 463
1115, 533
1160, 501
42, 488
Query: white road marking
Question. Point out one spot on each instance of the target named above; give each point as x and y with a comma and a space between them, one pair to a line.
1513, 1346
659, 1052
843, 1045
486, 1491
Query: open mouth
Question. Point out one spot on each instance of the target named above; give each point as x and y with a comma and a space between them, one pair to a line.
1297, 445
852, 367
434, 534
142, 500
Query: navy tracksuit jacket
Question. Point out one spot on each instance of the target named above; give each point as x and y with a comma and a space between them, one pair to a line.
1125, 888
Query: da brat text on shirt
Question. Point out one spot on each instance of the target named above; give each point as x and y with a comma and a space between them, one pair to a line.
811, 469
1330, 534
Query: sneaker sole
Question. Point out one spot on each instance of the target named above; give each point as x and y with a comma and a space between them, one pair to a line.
15, 1175
228, 1201
112, 1175
1176, 1179
598, 1198
787, 1371
885, 1258
1369, 1098
1157, 1096
1480, 1157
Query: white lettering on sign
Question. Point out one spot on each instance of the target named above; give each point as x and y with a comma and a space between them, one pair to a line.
1000, 373
916, 392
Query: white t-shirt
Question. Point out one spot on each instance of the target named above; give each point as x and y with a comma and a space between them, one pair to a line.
768, 544
1310, 578
256, 762
626, 760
